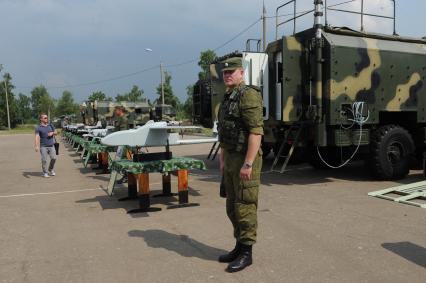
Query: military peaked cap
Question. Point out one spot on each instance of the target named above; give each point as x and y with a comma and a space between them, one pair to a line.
232, 64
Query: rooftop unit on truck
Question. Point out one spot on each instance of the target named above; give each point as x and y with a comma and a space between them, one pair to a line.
340, 94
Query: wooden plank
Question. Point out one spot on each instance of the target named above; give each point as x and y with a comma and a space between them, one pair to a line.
182, 180
143, 182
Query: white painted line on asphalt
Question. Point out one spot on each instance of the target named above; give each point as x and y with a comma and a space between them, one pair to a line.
64, 192
50, 193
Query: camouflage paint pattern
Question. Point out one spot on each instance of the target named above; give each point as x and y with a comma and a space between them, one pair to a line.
217, 88
386, 72
163, 112
242, 196
161, 166
388, 75
138, 113
207, 96
292, 79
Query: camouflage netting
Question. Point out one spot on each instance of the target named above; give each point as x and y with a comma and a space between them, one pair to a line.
161, 166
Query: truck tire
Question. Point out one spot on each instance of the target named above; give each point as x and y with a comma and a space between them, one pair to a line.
391, 149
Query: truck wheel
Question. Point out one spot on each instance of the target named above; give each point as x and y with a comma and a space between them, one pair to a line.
391, 150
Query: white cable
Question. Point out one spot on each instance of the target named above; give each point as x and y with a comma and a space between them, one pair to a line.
357, 109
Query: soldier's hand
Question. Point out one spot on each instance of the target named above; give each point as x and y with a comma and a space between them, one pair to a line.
36, 149
245, 173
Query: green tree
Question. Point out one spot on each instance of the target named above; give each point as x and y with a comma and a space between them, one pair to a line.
169, 97
206, 57
24, 108
47, 105
135, 95
7, 78
41, 101
66, 104
187, 106
36, 95
99, 96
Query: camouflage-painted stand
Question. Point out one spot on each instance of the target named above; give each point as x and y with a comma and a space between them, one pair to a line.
141, 170
100, 150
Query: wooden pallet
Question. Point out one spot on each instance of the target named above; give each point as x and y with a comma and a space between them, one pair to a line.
407, 194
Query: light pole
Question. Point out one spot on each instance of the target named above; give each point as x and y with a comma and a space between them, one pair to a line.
7, 99
162, 83
161, 76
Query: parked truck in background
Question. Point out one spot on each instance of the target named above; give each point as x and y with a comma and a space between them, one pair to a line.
332, 95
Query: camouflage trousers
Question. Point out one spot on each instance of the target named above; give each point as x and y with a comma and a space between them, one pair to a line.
241, 196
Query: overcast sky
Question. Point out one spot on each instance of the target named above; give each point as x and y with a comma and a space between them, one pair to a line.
72, 42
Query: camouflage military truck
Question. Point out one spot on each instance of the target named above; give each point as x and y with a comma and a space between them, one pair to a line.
163, 112
90, 113
332, 95
138, 112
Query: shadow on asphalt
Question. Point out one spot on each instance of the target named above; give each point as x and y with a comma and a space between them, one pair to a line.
180, 244
411, 252
32, 174
112, 202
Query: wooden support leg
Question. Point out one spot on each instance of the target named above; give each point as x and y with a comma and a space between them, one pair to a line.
132, 187
104, 162
99, 161
183, 191
143, 196
167, 187
183, 186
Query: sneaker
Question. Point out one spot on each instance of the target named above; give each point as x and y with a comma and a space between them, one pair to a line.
45, 175
52, 173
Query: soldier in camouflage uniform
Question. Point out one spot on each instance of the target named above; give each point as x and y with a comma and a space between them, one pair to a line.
121, 124
121, 119
240, 132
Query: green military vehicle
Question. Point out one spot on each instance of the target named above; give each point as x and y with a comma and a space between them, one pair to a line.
163, 112
138, 113
332, 95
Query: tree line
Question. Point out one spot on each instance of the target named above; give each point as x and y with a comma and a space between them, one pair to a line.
24, 109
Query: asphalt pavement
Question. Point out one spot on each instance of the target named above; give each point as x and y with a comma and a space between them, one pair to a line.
314, 226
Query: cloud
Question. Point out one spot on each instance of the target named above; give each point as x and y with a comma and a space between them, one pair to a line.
371, 24
69, 42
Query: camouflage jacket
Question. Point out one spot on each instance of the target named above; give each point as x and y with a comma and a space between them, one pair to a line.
121, 123
240, 114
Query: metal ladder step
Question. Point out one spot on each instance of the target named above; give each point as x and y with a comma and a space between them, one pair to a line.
298, 129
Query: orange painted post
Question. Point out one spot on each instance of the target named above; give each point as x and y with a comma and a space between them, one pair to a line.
100, 160
143, 181
129, 154
183, 186
104, 158
144, 200
104, 161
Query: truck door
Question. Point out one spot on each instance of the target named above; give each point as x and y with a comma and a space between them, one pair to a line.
278, 67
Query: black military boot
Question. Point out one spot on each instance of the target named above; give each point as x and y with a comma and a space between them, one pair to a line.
232, 255
243, 260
